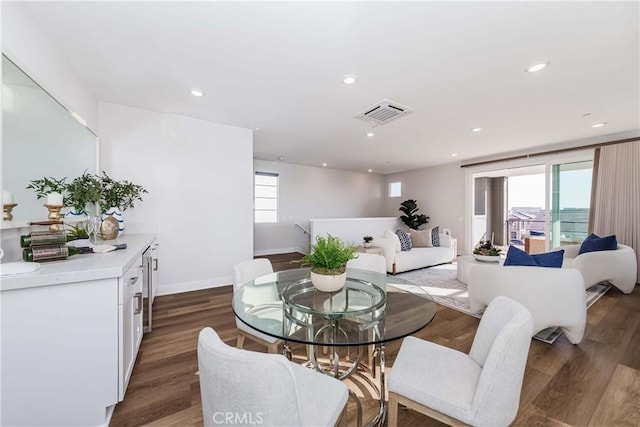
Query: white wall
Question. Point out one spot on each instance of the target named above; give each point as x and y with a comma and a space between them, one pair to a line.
200, 181
311, 192
30, 50
440, 193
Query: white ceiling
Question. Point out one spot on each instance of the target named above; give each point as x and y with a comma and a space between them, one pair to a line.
279, 66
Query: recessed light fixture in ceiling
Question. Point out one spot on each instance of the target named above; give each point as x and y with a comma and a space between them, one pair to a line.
349, 79
197, 92
370, 134
369, 170
324, 165
537, 66
281, 158
476, 129
453, 154
599, 125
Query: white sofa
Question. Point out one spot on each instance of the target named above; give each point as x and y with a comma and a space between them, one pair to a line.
617, 267
554, 296
399, 261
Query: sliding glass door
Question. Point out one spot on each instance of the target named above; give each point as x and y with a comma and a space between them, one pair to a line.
533, 205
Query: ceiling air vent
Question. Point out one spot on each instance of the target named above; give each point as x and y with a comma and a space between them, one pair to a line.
384, 112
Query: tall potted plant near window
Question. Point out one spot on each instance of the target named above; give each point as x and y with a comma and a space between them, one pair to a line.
118, 196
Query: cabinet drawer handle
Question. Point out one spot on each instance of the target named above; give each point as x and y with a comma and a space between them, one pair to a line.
138, 297
155, 266
133, 280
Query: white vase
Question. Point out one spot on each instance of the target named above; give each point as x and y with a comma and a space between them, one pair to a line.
367, 245
117, 214
75, 216
328, 283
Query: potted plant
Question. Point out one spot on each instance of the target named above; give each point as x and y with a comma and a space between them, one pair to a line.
82, 191
118, 196
410, 218
485, 251
50, 188
367, 241
328, 259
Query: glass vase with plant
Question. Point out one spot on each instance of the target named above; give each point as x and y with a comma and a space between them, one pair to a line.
82, 191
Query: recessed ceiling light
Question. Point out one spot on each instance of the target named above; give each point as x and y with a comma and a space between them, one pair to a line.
349, 79
476, 129
281, 158
453, 154
257, 128
538, 66
370, 134
324, 165
599, 125
369, 170
197, 92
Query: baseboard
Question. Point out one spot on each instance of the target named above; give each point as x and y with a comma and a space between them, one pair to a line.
278, 251
196, 285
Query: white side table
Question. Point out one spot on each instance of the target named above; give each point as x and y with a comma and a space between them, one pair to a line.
370, 250
466, 263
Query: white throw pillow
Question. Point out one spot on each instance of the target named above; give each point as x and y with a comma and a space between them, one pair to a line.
391, 235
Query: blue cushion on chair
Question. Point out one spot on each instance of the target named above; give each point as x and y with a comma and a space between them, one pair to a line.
405, 240
517, 256
594, 243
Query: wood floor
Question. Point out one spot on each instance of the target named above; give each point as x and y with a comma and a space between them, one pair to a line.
596, 383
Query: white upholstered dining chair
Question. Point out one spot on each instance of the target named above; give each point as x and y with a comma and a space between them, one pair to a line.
241, 387
244, 272
482, 388
370, 262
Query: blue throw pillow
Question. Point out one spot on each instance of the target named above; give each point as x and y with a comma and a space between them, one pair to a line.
405, 240
549, 259
435, 236
517, 256
594, 243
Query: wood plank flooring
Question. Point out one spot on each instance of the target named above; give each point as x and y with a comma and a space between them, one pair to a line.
596, 383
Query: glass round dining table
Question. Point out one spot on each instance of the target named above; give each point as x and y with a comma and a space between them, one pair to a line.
370, 310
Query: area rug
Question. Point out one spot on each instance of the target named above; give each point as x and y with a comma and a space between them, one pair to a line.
440, 282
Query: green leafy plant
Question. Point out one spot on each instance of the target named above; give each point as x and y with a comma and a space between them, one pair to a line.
83, 190
486, 248
329, 256
411, 218
78, 231
119, 194
47, 185
367, 239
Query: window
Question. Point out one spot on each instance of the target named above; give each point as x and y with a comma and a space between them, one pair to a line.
265, 204
395, 189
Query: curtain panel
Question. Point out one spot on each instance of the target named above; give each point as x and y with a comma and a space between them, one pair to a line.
616, 201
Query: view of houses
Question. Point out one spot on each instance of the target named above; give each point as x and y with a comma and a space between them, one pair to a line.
529, 221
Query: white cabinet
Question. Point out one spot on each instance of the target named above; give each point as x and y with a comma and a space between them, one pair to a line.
130, 313
70, 336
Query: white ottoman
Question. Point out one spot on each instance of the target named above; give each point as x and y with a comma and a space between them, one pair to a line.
466, 263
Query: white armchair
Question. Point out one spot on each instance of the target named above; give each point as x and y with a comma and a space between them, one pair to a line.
481, 388
554, 296
618, 267
242, 387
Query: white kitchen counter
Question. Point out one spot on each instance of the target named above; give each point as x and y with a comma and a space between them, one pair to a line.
81, 268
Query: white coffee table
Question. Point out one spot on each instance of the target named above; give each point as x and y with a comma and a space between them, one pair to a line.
466, 263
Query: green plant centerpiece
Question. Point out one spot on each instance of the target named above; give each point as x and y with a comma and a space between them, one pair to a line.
411, 218
486, 251
49, 187
328, 259
82, 191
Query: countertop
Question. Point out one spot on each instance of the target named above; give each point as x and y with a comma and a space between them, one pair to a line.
80, 268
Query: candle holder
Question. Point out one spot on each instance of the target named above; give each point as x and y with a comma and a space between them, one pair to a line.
7, 208
54, 216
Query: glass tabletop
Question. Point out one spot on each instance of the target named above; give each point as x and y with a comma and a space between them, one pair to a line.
371, 308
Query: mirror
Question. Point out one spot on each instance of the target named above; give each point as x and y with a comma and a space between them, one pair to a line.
40, 138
